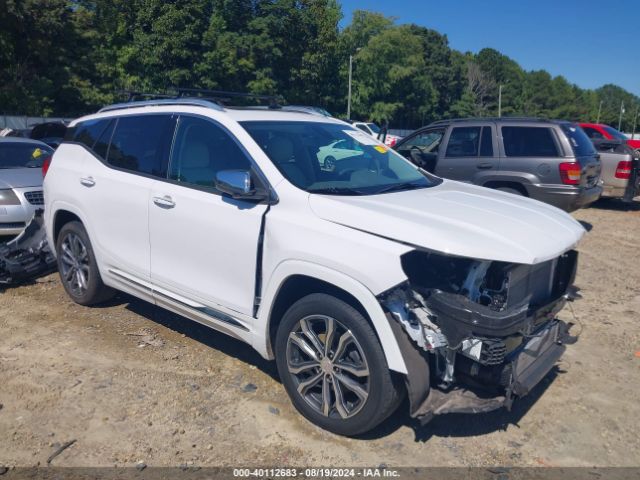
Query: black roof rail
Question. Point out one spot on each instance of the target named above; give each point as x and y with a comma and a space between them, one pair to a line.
223, 96
196, 102
491, 119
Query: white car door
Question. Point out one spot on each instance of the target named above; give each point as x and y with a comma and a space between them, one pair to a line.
117, 180
204, 245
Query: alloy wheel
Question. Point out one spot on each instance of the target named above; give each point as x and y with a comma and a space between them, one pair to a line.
74, 264
328, 365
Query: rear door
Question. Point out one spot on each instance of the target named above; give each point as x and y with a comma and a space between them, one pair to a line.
130, 153
469, 153
531, 151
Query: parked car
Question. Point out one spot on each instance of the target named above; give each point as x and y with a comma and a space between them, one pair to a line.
328, 155
374, 130
600, 131
50, 133
620, 169
547, 160
363, 284
21, 161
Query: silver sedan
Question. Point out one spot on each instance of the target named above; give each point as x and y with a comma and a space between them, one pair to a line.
20, 182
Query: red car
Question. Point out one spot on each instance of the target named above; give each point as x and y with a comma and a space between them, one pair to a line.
599, 131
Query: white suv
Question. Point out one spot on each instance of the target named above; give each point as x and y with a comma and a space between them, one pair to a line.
365, 282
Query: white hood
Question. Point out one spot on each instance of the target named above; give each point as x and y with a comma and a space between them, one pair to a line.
459, 219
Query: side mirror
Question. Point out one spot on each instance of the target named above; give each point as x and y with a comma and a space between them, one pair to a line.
237, 184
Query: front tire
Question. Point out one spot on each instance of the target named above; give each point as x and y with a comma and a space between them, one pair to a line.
333, 367
78, 268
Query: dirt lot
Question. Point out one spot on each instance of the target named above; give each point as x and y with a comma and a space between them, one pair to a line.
131, 382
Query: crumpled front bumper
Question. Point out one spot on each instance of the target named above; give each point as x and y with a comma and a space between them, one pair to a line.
523, 369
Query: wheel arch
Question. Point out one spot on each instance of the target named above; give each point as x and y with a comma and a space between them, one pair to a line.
296, 279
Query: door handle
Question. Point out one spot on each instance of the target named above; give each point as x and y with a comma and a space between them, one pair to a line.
485, 165
164, 202
87, 181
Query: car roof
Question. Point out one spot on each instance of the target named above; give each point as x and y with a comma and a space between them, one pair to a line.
191, 105
23, 140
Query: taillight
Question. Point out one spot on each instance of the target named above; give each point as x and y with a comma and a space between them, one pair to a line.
623, 170
45, 165
570, 173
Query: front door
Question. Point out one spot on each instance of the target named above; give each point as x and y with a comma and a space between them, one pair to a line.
204, 245
469, 154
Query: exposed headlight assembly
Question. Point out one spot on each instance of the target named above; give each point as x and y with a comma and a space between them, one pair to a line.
8, 197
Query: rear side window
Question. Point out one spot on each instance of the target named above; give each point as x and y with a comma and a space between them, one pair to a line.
464, 142
140, 144
580, 143
88, 132
529, 142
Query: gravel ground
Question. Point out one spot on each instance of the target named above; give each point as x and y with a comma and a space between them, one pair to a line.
131, 383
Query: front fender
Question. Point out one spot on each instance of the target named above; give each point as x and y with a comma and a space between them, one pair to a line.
361, 293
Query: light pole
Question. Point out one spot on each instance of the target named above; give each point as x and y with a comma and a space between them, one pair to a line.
599, 110
500, 101
635, 119
349, 95
621, 112
350, 77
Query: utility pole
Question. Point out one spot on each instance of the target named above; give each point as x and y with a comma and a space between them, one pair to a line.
621, 112
599, 110
349, 95
500, 101
635, 118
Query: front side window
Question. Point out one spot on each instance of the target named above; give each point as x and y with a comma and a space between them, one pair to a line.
140, 144
529, 142
201, 150
464, 142
300, 150
426, 142
22, 155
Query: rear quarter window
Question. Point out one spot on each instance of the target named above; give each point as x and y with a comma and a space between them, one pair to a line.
579, 141
529, 142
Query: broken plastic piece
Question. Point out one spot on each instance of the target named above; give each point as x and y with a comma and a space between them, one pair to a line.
28, 255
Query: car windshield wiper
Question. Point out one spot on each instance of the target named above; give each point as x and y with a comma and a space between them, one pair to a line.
338, 191
397, 187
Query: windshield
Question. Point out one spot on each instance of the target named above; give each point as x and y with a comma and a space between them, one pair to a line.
615, 133
335, 159
21, 155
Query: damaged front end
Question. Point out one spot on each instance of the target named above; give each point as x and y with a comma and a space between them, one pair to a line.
28, 255
486, 331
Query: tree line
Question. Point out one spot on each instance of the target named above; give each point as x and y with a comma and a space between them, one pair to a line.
67, 58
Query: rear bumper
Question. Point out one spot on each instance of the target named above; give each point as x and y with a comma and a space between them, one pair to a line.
565, 197
14, 218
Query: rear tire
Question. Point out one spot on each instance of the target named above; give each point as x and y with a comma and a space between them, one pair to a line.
333, 367
78, 268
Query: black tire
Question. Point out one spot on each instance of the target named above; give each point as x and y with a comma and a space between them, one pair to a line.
513, 191
384, 390
72, 235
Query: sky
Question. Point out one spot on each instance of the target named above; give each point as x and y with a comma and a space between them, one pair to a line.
589, 42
